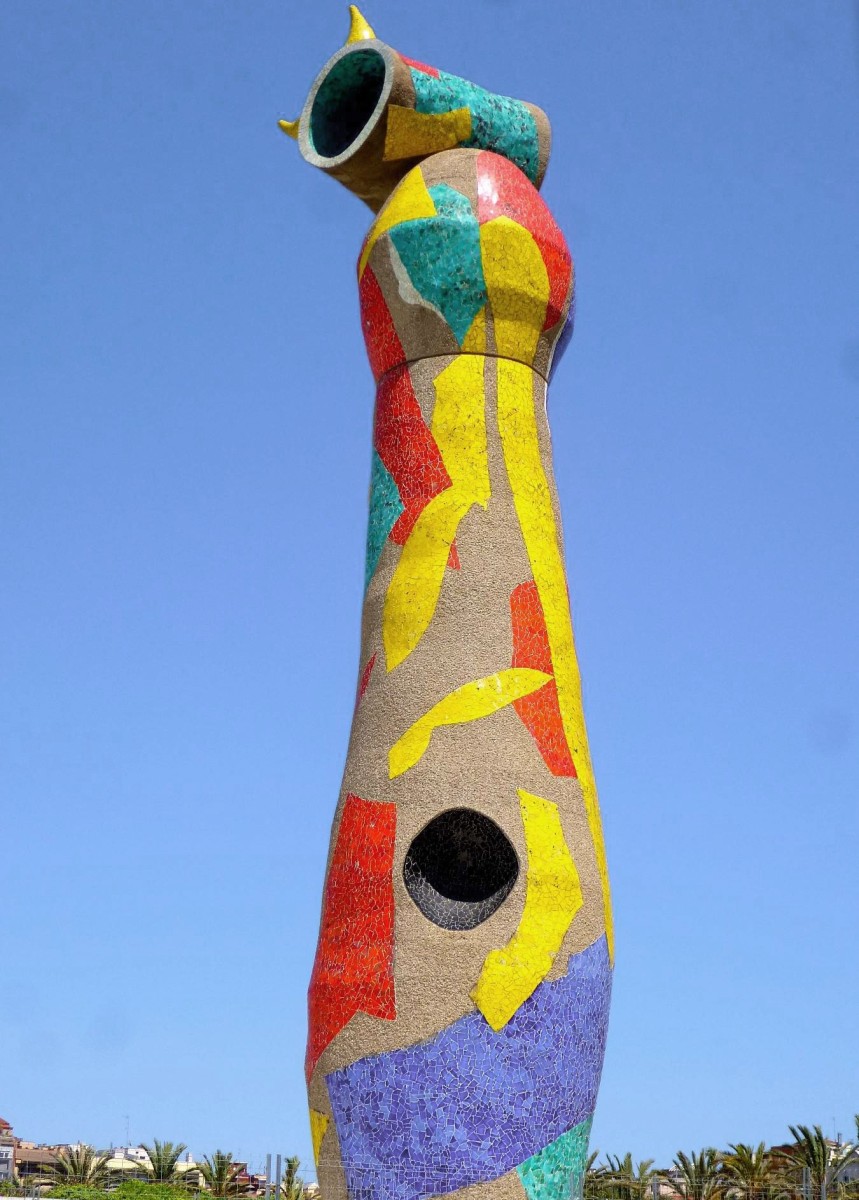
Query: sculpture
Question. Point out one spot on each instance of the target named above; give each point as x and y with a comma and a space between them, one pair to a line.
459, 999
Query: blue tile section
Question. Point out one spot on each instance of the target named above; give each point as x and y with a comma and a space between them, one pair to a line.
471, 1103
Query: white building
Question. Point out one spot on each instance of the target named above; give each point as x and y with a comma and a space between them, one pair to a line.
7, 1151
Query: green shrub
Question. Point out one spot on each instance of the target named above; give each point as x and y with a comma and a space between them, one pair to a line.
129, 1189
135, 1189
75, 1191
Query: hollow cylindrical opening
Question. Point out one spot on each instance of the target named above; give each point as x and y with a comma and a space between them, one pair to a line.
345, 101
460, 869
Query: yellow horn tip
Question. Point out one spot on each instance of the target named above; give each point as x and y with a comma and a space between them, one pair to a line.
359, 30
290, 128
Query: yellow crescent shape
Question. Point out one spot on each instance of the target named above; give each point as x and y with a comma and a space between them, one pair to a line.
553, 896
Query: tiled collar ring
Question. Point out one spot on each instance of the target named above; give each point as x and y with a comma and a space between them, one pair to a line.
459, 999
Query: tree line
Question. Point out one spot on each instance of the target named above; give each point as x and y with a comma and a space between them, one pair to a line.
84, 1173
811, 1167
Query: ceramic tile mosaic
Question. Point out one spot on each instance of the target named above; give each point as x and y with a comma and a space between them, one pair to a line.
540, 712
470, 1103
441, 255
353, 971
458, 1005
502, 192
553, 898
408, 450
505, 126
364, 681
558, 1171
384, 348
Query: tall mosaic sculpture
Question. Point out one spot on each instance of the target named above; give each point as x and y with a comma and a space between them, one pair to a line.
459, 999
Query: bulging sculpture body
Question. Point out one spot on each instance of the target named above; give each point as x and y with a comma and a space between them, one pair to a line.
459, 999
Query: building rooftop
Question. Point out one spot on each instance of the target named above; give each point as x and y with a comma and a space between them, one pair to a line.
38, 1155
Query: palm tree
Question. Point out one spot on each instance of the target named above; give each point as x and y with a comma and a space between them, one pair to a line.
698, 1174
591, 1175
80, 1164
292, 1185
222, 1174
851, 1187
823, 1160
629, 1182
750, 1171
163, 1157
619, 1178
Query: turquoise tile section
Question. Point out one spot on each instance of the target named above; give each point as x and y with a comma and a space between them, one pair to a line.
451, 203
498, 123
558, 1171
442, 257
385, 509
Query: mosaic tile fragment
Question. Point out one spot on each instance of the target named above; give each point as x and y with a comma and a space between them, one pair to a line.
539, 712
459, 433
558, 1171
318, 1125
473, 700
412, 134
353, 971
410, 201
419, 66
384, 348
386, 508
442, 255
408, 450
553, 898
364, 681
499, 123
503, 192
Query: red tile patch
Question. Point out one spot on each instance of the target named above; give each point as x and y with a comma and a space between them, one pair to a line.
354, 967
503, 191
539, 712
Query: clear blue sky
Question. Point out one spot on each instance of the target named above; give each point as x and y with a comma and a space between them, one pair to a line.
186, 414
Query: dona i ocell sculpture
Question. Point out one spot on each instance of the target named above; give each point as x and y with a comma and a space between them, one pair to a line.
459, 999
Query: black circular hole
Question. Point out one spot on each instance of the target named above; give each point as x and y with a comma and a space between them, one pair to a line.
460, 868
345, 101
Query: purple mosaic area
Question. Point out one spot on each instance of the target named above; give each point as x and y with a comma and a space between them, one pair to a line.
472, 1104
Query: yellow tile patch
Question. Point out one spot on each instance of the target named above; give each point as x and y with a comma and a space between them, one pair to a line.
410, 201
531, 496
412, 134
553, 897
318, 1126
459, 428
475, 340
517, 284
473, 700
